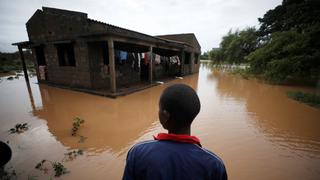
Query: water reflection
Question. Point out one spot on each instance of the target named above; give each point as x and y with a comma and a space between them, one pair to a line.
109, 123
256, 129
286, 122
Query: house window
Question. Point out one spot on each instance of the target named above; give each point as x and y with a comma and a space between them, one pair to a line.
66, 54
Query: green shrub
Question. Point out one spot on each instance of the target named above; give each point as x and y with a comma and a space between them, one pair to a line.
307, 98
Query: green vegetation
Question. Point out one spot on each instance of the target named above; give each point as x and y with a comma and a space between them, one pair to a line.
289, 55
76, 125
307, 98
58, 168
240, 71
11, 62
19, 128
235, 46
284, 49
73, 155
204, 56
46, 165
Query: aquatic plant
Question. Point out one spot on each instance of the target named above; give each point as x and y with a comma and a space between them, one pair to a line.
40, 164
58, 167
19, 128
69, 156
76, 125
307, 98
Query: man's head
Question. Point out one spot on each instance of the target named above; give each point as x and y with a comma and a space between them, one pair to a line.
5, 154
179, 104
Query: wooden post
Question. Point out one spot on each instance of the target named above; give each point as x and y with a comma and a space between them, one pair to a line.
150, 65
31, 97
24, 67
112, 66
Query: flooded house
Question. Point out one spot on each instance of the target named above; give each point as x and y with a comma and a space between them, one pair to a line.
73, 51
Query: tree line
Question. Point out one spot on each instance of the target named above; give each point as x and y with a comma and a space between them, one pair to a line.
285, 47
11, 62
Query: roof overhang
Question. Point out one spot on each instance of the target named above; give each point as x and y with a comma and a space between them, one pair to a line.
23, 44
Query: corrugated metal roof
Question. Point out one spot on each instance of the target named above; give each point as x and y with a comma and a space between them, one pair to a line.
141, 34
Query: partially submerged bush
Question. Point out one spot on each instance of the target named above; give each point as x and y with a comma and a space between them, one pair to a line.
288, 55
76, 125
69, 156
307, 98
58, 168
19, 128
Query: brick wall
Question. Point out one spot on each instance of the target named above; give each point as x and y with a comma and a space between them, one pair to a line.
100, 73
73, 76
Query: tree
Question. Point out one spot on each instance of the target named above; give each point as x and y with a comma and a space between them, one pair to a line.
216, 55
235, 46
289, 55
290, 36
205, 55
298, 14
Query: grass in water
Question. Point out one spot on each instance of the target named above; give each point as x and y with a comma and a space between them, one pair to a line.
240, 71
58, 168
307, 98
77, 122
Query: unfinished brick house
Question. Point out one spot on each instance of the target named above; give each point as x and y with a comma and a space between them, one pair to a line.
70, 50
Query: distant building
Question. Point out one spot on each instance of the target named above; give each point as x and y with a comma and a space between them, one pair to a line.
72, 51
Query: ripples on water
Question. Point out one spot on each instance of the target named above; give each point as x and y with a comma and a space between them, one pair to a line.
253, 127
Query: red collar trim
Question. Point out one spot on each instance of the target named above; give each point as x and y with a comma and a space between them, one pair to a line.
178, 138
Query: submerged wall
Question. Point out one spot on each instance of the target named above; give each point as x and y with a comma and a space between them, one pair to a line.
99, 72
73, 76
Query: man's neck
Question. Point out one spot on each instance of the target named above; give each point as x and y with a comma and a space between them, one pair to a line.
185, 131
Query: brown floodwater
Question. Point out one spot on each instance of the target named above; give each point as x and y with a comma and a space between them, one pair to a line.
252, 126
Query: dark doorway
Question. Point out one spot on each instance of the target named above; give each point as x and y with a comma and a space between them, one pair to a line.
41, 60
187, 58
144, 74
99, 65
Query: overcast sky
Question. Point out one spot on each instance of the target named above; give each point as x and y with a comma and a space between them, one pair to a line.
209, 20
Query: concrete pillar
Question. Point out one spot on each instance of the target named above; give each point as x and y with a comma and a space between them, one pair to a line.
24, 67
192, 62
182, 63
151, 65
112, 66
196, 66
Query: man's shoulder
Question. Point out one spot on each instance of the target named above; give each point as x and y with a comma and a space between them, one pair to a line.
210, 157
143, 144
211, 154
151, 144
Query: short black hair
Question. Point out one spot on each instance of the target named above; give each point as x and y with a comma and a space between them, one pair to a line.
5, 154
182, 102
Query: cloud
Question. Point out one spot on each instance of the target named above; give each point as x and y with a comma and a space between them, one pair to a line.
208, 19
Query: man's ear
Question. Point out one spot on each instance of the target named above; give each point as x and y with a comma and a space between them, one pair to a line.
166, 115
